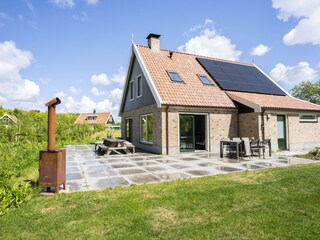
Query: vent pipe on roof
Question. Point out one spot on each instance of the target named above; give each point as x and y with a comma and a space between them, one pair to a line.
154, 42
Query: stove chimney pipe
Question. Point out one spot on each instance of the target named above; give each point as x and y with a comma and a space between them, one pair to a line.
52, 123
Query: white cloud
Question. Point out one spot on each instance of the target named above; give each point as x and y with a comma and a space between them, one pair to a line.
92, 2
293, 75
260, 50
119, 76
212, 44
2, 100
60, 95
63, 3
73, 89
82, 16
101, 79
12, 84
207, 21
87, 105
95, 91
116, 95
308, 14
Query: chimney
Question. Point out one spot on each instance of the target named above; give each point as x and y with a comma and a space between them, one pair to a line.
94, 111
154, 42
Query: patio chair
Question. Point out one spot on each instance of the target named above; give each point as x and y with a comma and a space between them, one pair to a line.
255, 147
226, 146
246, 147
266, 143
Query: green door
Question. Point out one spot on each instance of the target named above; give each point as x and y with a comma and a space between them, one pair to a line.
281, 132
186, 133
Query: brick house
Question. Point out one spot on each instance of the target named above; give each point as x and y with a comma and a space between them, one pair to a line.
174, 102
95, 118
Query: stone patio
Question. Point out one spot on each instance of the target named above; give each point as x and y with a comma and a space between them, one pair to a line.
86, 171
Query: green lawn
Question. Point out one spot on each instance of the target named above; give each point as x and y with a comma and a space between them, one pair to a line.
281, 203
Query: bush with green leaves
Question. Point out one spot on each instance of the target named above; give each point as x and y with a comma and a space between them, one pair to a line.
20, 144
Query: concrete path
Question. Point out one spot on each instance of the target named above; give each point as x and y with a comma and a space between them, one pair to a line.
86, 171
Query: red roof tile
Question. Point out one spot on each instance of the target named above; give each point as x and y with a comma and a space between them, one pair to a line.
274, 101
192, 92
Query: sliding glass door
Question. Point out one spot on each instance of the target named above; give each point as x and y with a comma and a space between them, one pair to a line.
187, 141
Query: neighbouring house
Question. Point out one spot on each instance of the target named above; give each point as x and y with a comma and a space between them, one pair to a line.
175, 101
8, 119
95, 118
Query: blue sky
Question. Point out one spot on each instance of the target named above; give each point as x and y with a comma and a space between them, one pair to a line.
79, 50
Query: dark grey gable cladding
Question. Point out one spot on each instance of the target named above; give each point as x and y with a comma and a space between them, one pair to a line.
237, 77
146, 98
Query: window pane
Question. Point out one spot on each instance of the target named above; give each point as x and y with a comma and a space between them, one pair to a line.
144, 128
174, 76
127, 128
205, 80
308, 117
139, 86
150, 128
131, 90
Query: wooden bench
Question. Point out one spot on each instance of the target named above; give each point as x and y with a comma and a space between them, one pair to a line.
101, 147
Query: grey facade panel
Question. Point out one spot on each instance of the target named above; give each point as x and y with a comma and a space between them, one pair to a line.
146, 98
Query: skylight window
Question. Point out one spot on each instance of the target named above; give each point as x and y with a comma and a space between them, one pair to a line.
205, 80
174, 76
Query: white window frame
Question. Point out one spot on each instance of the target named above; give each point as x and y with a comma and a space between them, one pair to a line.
139, 85
145, 115
131, 90
308, 120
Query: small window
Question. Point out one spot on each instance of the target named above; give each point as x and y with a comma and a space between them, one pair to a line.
131, 90
308, 118
139, 88
205, 80
174, 76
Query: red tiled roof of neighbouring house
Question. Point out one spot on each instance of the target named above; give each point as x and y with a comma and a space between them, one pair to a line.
190, 92
93, 118
272, 101
10, 116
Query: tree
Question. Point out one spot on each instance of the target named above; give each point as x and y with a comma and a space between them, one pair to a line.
308, 91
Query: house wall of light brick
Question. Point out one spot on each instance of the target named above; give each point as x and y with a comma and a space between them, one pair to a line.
300, 135
219, 123
157, 144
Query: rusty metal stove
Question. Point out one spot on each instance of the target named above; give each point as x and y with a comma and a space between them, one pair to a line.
52, 162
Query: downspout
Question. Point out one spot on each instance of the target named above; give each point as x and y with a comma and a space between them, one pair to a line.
167, 129
262, 124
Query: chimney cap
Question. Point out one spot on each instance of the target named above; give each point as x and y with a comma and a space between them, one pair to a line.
153, 35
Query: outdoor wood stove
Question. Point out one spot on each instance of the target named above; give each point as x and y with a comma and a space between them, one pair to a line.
52, 162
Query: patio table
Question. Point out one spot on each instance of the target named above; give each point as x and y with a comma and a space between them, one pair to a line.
236, 143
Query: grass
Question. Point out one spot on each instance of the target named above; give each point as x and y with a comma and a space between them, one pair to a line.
280, 203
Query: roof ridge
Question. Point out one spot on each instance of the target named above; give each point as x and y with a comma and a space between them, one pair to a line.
197, 55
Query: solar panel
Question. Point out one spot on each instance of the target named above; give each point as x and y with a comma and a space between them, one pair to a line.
237, 77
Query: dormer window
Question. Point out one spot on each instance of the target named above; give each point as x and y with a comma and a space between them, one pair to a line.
174, 76
204, 80
91, 118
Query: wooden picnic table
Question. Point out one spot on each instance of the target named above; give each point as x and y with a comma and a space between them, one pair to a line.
112, 145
